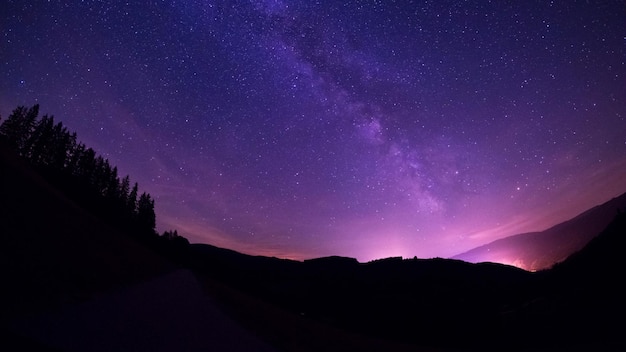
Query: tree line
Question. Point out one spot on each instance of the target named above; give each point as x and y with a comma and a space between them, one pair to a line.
82, 174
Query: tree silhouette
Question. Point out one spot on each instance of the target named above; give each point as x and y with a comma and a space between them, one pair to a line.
124, 190
145, 212
18, 127
79, 171
40, 138
131, 201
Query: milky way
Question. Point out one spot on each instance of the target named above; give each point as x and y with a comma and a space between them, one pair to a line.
365, 129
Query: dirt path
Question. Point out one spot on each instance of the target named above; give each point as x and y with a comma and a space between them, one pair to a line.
169, 313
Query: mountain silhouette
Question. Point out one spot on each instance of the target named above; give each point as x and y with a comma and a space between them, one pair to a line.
586, 291
540, 250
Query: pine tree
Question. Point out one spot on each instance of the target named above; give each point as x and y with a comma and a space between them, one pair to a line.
86, 162
113, 185
74, 154
17, 128
36, 148
131, 202
60, 146
124, 190
145, 213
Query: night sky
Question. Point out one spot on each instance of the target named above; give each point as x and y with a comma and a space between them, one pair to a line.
368, 129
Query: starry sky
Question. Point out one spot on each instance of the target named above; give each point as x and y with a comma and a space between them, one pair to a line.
367, 129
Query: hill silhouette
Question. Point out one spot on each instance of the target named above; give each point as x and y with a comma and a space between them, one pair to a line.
586, 290
54, 251
443, 303
540, 250
393, 299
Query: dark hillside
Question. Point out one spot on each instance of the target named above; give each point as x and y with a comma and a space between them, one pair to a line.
590, 288
602, 257
441, 303
540, 250
415, 301
54, 252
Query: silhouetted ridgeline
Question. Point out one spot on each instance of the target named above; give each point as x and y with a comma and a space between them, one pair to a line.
540, 250
417, 301
84, 176
446, 303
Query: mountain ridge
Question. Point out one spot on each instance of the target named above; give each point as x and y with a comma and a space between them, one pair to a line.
541, 249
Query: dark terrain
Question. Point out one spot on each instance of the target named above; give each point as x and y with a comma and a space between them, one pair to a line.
57, 254
54, 251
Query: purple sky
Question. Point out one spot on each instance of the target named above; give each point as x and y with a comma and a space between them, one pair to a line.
365, 129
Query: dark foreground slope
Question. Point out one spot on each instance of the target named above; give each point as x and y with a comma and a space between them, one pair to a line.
167, 313
434, 303
540, 250
588, 290
53, 252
